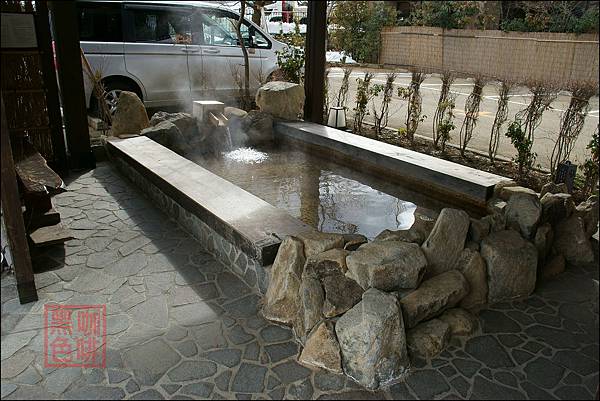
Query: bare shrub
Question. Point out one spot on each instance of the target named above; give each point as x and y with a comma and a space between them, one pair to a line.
413, 95
342, 96
471, 114
363, 96
440, 111
500, 119
381, 116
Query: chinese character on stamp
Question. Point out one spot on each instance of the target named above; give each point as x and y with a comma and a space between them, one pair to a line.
75, 335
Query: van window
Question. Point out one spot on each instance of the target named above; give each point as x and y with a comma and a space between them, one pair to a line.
100, 22
162, 26
218, 28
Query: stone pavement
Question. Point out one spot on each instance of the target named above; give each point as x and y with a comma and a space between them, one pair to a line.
180, 326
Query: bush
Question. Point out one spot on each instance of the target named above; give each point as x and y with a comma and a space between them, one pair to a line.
445, 14
291, 63
525, 157
358, 27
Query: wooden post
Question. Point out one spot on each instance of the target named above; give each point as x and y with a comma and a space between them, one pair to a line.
13, 217
70, 77
44, 39
314, 66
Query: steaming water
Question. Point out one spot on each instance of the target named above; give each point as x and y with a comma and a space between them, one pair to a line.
323, 194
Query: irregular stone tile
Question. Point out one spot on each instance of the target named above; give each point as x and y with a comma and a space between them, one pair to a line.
187, 348
238, 335
195, 314
13, 342
227, 357
243, 307
275, 334
29, 376
176, 333
497, 322
576, 362
573, 393
521, 357
543, 372
252, 351
510, 340
99, 260
200, 389
249, 379
149, 394
153, 311
290, 371
131, 300
59, 380
94, 376
536, 393
117, 376
231, 286
301, 391
133, 245
150, 361
191, 370
488, 350
222, 380
486, 389
171, 388
128, 266
209, 336
427, 384
194, 293
554, 337
7, 389
17, 363
278, 352
460, 385
91, 281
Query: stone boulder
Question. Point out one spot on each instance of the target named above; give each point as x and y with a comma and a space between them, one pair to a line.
511, 265
167, 134
496, 206
572, 241
472, 266
283, 100
372, 340
282, 300
555, 266
556, 207
258, 127
499, 187
326, 262
417, 233
310, 309
496, 221
447, 240
428, 339
523, 213
353, 241
387, 265
544, 238
235, 117
433, 297
322, 349
507, 192
316, 242
479, 229
183, 121
461, 322
588, 211
552, 188
130, 115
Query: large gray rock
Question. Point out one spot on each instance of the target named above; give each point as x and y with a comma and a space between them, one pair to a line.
556, 207
544, 238
434, 296
387, 265
341, 294
428, 339
507, 192
588, 211
523, 213
511, 265
185, 123
258, 127
322, 349
446, 241
353, 241
316, 242
572, 241
552, 188
461, 322
130, 115
372, 340
281, 99
310, 311
479, 229
282, 300
472, 266
417, 233
167, 134
326, 262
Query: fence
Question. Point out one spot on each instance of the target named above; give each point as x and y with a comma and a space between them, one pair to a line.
555, 58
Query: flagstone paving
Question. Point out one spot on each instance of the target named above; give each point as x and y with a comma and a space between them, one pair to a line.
181, 326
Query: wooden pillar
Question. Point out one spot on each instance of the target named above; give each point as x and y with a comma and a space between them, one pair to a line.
13, 218
314, 66
70, 77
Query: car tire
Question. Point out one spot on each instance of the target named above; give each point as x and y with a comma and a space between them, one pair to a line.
112, 88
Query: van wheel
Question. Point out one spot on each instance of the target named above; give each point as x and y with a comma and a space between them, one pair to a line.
113, 89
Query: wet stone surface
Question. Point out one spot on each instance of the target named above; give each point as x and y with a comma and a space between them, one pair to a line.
181, 325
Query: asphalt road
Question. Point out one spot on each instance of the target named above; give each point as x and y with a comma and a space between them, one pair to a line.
546, 133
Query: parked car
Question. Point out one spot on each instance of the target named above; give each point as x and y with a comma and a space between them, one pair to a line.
171, 52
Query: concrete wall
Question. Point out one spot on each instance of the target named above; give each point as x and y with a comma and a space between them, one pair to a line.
556, 58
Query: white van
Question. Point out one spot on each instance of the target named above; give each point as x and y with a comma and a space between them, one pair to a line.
171, 52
